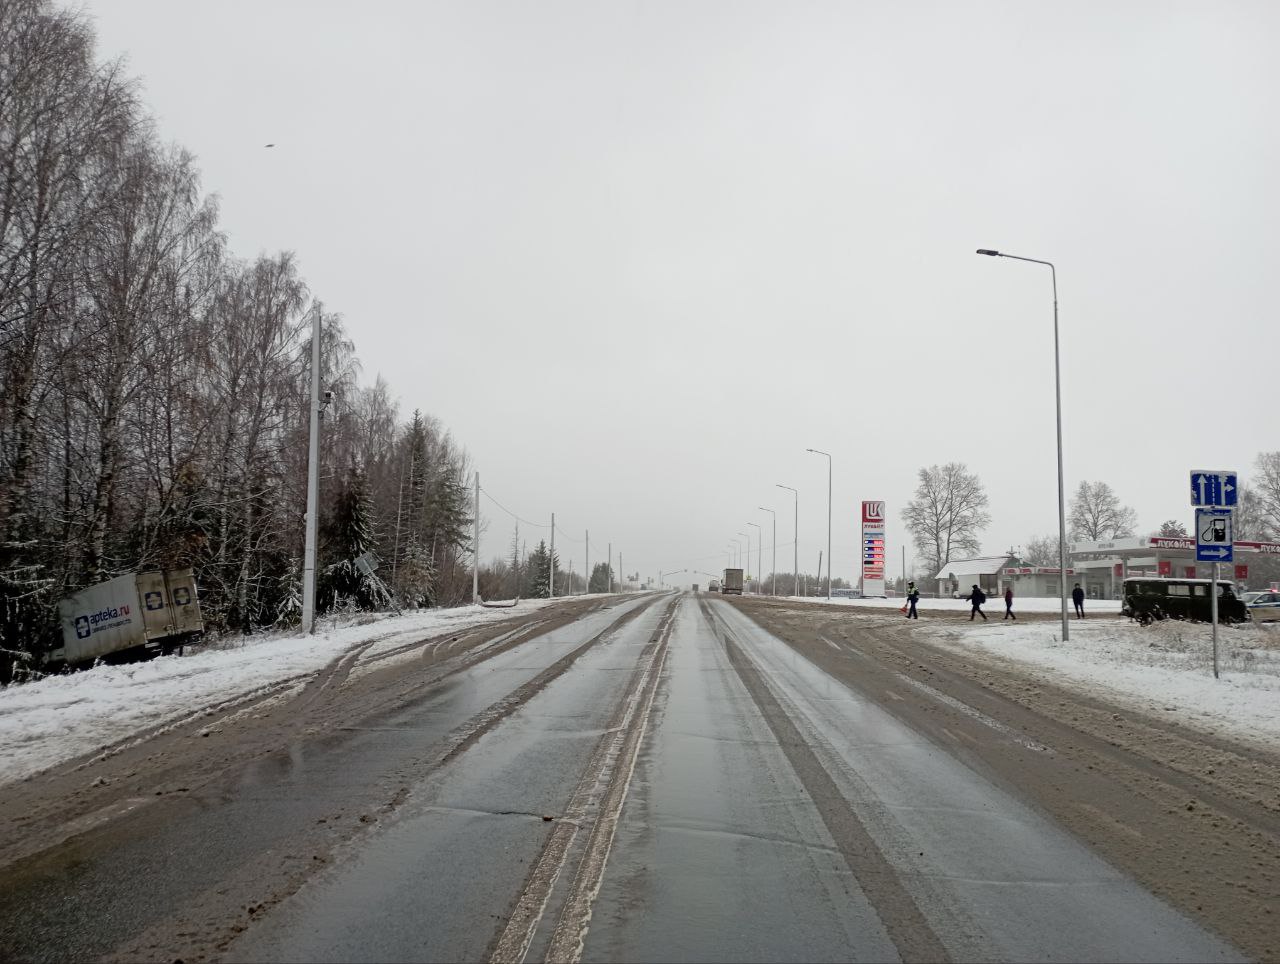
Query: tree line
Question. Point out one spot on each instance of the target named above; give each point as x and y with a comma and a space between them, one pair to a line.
949, 512
154, 404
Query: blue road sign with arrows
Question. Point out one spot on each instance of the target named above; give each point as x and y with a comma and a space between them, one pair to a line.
1213, 488
1214, 536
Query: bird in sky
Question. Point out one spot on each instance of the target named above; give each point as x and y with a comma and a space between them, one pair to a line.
270, 145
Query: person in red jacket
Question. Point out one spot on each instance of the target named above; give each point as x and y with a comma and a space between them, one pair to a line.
1008, 604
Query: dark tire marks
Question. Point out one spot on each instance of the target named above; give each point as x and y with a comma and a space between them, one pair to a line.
906, 925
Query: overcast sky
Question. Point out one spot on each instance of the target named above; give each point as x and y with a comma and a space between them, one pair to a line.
639, 257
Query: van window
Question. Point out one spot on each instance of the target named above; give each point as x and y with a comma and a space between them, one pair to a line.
1201, 591
1176, 590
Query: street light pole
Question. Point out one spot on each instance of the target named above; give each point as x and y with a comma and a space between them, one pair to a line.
746, 559
773, 577
475, 549
313, 483
795, 572
663, 575
552, 560
1057, 388
828, 455
759, 554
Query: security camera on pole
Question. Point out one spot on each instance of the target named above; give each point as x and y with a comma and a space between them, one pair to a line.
1214, 497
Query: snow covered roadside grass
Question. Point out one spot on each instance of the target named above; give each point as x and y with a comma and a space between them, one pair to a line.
60, 717
1165, 669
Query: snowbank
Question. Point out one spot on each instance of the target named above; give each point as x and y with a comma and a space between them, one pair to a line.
55, 719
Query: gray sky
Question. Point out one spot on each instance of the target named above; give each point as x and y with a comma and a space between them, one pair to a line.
638, 257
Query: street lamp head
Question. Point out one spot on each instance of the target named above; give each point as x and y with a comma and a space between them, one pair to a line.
988, 251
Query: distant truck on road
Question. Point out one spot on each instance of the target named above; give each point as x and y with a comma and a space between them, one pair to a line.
142, 612
732, 584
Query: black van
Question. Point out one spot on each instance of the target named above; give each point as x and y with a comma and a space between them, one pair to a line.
1150, 598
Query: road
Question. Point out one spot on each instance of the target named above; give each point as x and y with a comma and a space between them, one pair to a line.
657, 777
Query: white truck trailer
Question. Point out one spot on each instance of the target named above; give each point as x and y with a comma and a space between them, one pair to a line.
144, 611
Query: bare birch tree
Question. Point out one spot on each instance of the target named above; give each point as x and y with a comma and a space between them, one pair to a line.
1095, 513
947, 514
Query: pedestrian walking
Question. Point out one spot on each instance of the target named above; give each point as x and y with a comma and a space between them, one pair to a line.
1008, 604
913, 597
977, 597
1077, 596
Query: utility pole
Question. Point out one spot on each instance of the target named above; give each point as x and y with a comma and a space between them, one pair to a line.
586, 560
609, 567
475, 549
622, 579
313, 483
552, 560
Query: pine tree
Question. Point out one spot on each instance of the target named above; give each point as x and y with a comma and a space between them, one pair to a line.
539, 568
289, 609
600, 577
351, 536
415, 578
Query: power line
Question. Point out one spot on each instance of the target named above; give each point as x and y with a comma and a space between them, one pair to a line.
538, 525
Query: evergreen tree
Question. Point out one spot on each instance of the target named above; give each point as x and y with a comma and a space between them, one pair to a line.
289, 610
415, 577
600, 577
350, 536
538, 566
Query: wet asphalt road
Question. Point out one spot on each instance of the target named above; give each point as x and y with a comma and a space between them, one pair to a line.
711, 795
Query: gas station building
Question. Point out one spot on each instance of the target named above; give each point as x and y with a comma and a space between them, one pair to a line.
1101, 567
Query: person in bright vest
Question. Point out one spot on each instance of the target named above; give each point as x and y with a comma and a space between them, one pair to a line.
913, 597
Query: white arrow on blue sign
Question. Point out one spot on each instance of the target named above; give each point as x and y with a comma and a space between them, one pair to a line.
1214, 536
1213, 488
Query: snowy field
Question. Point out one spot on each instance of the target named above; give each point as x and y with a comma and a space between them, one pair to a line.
55, 719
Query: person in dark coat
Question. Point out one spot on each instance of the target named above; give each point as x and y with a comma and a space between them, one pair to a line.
977, 598
913, 597
1077, 596
1008, 604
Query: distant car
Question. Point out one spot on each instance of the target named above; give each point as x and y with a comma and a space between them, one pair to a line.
846, 594
713, 585
1263, 605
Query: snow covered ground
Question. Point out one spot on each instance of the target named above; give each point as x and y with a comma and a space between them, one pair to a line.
1164, 669
55, 719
